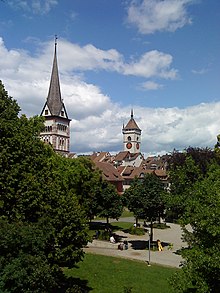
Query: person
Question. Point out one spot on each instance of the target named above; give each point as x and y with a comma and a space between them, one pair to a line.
120, 246
126, 244
112, 239
159, 245
97, 234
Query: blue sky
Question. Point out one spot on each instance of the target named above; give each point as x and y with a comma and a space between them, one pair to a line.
160, 58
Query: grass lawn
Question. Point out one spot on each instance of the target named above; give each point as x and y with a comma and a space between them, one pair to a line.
107, 274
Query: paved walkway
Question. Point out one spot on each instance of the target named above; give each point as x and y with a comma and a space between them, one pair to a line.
137, 246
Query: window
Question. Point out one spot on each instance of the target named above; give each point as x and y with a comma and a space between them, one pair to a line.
62, 113
129, 138
46, 112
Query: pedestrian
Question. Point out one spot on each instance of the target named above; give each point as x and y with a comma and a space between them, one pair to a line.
112, 239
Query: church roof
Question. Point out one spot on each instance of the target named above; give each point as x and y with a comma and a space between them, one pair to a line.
131, 125
54, 101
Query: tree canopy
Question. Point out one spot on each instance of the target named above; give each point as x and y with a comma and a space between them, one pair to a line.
145, 198
194, 200
184, 169
39, 186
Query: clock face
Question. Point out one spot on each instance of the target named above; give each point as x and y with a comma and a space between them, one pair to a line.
137, 146
129, 145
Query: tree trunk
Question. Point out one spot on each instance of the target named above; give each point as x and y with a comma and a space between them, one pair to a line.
107, 220
136, 221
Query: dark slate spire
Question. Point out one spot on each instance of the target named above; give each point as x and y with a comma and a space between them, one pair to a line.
54, 101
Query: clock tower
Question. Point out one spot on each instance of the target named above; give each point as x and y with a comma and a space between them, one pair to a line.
131, 136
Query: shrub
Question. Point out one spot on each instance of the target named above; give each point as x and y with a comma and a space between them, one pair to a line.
136, 231
160, 226
104, 235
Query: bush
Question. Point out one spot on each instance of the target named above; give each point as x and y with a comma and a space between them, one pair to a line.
160, 226
136, 231
104, 235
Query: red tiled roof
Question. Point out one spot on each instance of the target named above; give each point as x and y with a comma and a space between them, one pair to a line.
109, 172
122, 155
132, 172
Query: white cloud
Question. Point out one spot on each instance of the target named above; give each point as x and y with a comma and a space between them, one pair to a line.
150, 16
151, 85
200, 71
162, 129
153, 63
33, 6
97, 121
150, 64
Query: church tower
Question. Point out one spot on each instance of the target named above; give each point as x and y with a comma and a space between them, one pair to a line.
57, 123
131, 136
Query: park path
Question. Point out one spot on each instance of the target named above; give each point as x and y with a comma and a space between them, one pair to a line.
137, 246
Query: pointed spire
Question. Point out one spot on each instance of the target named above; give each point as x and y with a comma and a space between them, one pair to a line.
131, 123
54, 100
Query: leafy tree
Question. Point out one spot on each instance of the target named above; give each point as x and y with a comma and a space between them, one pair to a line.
24, 265
85, 181
109, 202
201, 268
185, 169
36, 183
145, 198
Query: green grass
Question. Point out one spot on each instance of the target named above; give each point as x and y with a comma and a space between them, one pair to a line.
115, 226
121, 226
126, 214
107, 274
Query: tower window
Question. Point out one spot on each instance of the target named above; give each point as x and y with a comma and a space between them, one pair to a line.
129, 138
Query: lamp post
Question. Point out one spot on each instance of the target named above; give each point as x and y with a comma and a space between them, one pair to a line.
148, 232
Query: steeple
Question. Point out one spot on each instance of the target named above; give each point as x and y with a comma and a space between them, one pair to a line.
57, 130
131, 135
131, 125
54, 101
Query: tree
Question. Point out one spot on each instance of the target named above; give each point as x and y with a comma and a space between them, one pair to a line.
36, 183
24, 265
201, 268
184, 170
145, 198
109, 202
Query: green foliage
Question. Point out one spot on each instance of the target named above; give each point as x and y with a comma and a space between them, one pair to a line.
185, 169
37, 184
201, 209
24, 259
104, 235
161, 226
109, 203
145, 198
136, 231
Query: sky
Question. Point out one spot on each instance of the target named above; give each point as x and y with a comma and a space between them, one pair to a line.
160, 58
